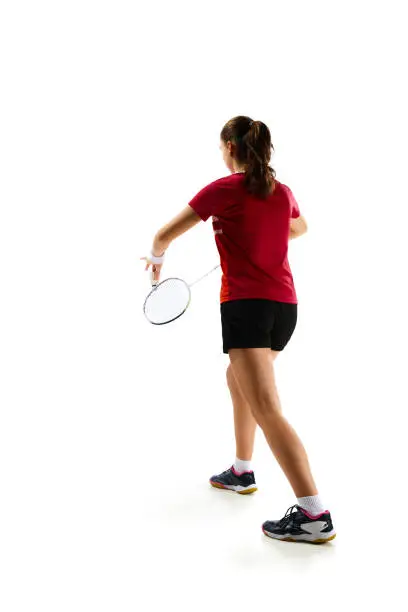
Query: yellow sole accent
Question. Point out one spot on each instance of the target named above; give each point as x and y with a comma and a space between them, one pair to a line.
320, 541
248, 491
216, 485
327, 539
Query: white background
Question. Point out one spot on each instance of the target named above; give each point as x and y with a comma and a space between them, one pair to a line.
110, 428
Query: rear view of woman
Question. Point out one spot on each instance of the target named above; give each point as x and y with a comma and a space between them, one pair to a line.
253, 217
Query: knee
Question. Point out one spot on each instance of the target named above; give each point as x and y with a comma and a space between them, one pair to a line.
266, 407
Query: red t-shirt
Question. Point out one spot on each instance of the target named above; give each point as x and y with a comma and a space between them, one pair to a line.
252, 237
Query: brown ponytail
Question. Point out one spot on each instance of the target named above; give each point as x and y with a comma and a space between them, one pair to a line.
253, 150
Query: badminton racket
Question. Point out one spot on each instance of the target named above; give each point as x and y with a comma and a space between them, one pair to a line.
169, 299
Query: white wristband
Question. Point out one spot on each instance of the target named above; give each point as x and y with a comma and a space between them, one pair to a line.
156, 260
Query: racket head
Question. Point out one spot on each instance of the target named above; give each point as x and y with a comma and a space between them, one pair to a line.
167, 301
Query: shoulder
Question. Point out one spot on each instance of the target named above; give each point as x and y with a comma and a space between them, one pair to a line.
222, 186
225, 182
282, 188
287, 193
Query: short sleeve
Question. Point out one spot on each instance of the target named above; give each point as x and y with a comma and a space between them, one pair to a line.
294, 207
208, 201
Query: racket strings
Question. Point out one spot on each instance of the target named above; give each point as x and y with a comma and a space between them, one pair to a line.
168, 301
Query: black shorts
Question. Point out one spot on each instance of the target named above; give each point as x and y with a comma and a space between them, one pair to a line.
256, 323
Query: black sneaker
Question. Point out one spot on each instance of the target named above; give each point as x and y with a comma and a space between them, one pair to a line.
299, 526
240, 483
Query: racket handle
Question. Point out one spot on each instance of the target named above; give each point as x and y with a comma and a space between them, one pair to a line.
152, 281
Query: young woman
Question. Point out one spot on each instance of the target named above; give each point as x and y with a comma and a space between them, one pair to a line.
253, 217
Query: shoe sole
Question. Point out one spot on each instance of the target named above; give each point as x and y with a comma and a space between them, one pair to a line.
218, 485
289, 539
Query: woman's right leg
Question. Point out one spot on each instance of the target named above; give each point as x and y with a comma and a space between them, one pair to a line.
307, 520
254, 370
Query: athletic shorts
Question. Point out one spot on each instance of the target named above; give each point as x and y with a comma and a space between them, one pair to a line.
256, 323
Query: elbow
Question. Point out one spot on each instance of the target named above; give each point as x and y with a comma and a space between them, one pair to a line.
302, 227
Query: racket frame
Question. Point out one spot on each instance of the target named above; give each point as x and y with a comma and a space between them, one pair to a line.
155, 287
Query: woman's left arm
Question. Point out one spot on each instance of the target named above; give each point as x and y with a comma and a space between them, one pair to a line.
184, 221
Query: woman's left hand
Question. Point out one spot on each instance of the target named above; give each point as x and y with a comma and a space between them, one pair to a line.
155, 269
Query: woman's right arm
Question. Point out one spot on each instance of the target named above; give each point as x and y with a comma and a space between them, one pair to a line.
298, 227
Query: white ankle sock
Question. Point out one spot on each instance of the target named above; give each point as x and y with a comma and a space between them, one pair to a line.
312, 504
242, 466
